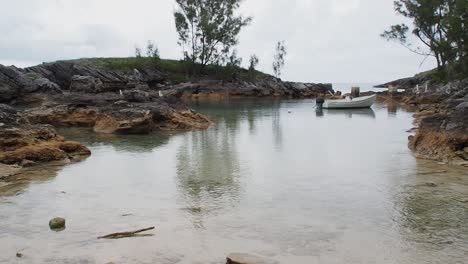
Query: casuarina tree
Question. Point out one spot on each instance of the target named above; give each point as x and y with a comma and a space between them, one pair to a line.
279, 57
208, 30
440, 26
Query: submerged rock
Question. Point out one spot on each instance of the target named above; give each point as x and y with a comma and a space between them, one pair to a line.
57, 223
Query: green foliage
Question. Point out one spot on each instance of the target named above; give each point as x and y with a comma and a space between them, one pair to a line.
441, 26
152, 51
208, 30
176, 69
231, 71
279, 57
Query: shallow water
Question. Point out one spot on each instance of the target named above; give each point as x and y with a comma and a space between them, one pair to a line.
273, 178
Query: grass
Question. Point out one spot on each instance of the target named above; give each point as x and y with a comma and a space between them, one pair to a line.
178, 69
444, 75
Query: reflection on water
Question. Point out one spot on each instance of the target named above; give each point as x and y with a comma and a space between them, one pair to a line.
208, 168
23, 178
129, 143
271, 177
349, 113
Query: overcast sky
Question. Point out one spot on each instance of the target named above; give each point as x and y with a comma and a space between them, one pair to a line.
327, 40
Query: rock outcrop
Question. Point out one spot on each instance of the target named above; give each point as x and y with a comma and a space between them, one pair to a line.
24, 144
267, 87
111, 113
76, 76
442, 119
12, 83
79, 76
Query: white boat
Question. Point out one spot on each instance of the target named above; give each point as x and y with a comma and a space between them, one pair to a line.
358, 102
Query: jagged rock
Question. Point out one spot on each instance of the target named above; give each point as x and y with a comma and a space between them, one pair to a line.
62, 72
443, 128
12, 83
86, 84
46, 86
39, 143
267, 87
137, 96
405, 83
107, 113
8, 116
25, 144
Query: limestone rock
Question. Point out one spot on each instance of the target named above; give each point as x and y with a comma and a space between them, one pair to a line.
137, 96
46, 86
12, 83
86, 84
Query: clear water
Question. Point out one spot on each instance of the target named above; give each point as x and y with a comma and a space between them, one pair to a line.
273, 178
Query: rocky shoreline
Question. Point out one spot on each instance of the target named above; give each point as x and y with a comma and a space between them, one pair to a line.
143, 100
441, 118
137, 101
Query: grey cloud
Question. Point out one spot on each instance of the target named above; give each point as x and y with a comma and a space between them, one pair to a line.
328, 40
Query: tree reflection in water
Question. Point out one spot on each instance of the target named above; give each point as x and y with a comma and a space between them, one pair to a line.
208, 161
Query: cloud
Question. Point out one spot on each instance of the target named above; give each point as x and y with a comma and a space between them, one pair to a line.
327, 40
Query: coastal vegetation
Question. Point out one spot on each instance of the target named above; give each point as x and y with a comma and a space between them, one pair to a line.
279, 57
208, 30
440, 27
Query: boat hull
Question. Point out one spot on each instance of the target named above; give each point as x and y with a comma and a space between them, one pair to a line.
359, 102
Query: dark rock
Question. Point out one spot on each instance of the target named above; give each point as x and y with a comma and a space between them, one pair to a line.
46, 86
405, 83
62, 72
86, 84
431, 184
8, 116
57, 223
136, 96
19, 255
12, 83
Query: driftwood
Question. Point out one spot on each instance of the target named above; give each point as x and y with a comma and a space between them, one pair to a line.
127, 234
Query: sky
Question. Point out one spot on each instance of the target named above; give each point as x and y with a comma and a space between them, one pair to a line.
327, 40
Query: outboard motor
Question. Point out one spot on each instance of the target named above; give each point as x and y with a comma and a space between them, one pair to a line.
319, 102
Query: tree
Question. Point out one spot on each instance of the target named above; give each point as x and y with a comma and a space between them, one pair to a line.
233, 67
440, 25
208, 29
278, 59
253, 62
152, 50
137, 52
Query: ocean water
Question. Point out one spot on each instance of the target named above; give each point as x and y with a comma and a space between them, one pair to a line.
275, 178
